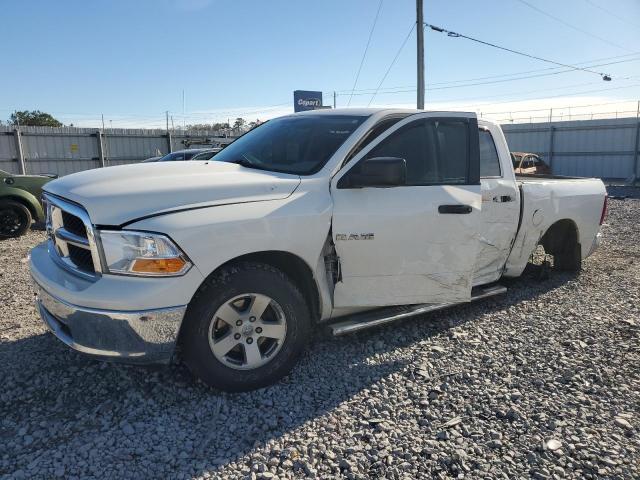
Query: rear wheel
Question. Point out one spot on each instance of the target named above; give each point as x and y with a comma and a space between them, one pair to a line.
245, 328
570, 259
15, 219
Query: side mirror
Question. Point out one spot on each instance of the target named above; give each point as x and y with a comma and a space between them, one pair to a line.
376, 172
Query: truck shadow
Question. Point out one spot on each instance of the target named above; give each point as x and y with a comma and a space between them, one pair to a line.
77, 401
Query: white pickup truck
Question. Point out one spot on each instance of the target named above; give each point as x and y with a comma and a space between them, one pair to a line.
351, 217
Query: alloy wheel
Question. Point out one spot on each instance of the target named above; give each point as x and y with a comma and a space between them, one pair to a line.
247, 331
10, 222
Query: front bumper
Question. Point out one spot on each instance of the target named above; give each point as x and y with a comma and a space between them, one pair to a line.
118, 318
147, 336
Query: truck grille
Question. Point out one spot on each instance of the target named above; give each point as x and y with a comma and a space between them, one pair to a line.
73, 224
71, 239
81, 258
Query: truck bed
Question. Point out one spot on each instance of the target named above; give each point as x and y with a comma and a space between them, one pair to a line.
547, 199
535, 178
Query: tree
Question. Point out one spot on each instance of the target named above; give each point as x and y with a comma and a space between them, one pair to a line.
239, 123
255, 123
34, 118
207, 127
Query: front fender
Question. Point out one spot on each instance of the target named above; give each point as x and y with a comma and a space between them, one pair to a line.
28, 199
213, 236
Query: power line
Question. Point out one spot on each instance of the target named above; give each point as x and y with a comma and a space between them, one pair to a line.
482, 105
501, 95
535, 57
368, 91
393, 62
366, 49
622, 19
567, 24
560, 108
432, 86
546, 117
549, 96
541, 74
391, 90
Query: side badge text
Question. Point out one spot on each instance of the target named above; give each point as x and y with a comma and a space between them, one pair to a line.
354, 236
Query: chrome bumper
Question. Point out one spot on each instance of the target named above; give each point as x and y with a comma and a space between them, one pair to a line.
147, 336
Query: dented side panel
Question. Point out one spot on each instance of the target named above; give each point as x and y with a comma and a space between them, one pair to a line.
498, 226
546, 201
500, 214
395, 248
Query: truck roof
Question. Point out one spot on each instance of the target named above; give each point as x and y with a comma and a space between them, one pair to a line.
367, 112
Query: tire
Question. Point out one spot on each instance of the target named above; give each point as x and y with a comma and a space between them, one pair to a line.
15, 219
570, 260
232, 293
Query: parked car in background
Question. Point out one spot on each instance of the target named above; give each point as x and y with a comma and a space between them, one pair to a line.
357, 217
180, 155
20, 202
207, 155
529, 163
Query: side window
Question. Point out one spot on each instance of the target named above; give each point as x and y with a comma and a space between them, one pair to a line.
379, 128
436, 151
489, 161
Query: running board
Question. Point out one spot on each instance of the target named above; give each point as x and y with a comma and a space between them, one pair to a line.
365, 320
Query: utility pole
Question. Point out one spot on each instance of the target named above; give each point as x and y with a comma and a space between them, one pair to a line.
420, 32
334, 99
636, 157
166, 114
106, 142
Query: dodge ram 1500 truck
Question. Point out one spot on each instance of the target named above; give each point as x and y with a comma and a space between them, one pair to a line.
352, 217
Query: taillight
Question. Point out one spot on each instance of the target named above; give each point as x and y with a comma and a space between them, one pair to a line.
604, 210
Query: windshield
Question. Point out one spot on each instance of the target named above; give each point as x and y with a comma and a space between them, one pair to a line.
299, 144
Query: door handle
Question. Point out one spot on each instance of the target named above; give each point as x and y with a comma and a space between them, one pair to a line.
503, 199
456, 209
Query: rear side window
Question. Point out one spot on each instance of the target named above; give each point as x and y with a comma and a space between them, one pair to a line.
436, 151
489, 161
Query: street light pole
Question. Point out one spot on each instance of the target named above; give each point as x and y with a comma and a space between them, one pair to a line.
420, 32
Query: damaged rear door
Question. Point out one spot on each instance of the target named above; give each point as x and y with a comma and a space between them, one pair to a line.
415, 242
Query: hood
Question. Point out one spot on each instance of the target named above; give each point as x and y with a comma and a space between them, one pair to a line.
117, 195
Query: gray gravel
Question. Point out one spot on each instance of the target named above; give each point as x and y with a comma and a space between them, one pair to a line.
543, 382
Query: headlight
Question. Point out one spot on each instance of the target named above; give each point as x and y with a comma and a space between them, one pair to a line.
142, 253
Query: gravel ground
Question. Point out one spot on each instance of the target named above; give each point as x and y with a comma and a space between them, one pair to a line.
542, 382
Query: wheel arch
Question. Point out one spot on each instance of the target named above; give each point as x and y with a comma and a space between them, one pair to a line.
291, 265
558, 235
31, 203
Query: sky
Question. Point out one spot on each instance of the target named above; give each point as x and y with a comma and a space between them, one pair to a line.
132, 60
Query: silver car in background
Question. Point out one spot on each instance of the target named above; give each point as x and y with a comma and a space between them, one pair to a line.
188, 154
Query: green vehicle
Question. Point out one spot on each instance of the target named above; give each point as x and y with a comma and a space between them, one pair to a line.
20, 202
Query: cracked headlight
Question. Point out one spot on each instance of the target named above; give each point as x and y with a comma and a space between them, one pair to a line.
142, 253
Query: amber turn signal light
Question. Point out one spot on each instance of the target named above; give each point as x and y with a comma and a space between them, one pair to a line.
158, 265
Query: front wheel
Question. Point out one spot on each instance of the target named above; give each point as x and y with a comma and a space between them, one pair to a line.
15, 219
245, 328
